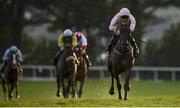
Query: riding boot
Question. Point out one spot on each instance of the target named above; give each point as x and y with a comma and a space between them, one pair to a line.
20, 68
87, 59
56, 57
76, 59
112, 43
135, 47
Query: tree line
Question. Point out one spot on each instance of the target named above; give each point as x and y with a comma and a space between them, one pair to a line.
90, 16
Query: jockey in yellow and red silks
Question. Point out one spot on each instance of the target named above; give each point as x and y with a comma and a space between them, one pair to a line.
66, 33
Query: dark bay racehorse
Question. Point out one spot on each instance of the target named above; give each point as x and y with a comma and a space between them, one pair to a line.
10, 77
82, 71
121, 60
66, 71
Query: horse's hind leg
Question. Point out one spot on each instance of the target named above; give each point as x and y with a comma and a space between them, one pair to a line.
68, 87
58, 94
64, 88
126, 85
81, 88
11, 88
111, 90
17, 92
118, 86
74, 93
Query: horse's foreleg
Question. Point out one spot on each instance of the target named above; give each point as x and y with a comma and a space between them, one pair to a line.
118, 86
58, 94
17, 92
11, 88
64, 88
74, 93
4, 89
69, 87
81, 87
126, 85
111, 90
76, 85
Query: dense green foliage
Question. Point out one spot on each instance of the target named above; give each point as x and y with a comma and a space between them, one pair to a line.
164, 52
143, 93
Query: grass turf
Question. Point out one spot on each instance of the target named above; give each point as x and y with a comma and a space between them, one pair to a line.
142, 93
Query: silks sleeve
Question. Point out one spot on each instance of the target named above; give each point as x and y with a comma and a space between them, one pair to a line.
60, 41
74, 41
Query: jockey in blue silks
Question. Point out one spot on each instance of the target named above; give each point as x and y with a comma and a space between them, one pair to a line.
7, 54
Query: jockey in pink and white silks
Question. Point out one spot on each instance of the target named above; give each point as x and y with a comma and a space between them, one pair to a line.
124, 13
82, 44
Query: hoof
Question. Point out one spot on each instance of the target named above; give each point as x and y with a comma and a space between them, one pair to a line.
75, 96
79, 96
18, 96
10, 96
111, 92
125, 99
58, 94
128, 89
120, 98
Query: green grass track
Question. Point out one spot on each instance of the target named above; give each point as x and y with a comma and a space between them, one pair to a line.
143, 94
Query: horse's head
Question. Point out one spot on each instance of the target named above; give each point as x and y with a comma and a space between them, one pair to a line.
13, 62
69, 57
124, 33
124, 36
68, 50
124, 28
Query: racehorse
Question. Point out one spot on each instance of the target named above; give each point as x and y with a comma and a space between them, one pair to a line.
10, 77
66, 69
82, 71
121, 60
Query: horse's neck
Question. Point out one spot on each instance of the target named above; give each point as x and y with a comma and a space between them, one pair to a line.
10, 69
118, 45
68, 51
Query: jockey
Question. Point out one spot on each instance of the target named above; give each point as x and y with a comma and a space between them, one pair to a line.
6, 57
124, 13
66, 33
82, 43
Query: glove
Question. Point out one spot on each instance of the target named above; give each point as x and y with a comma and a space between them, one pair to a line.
118, 32
83, 52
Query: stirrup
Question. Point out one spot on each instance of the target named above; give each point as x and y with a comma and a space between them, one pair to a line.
89, 64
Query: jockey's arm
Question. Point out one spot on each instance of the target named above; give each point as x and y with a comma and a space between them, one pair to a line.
84, 43
60, 41
19, 56
133, 23
74, 41
6, 55
112, 26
